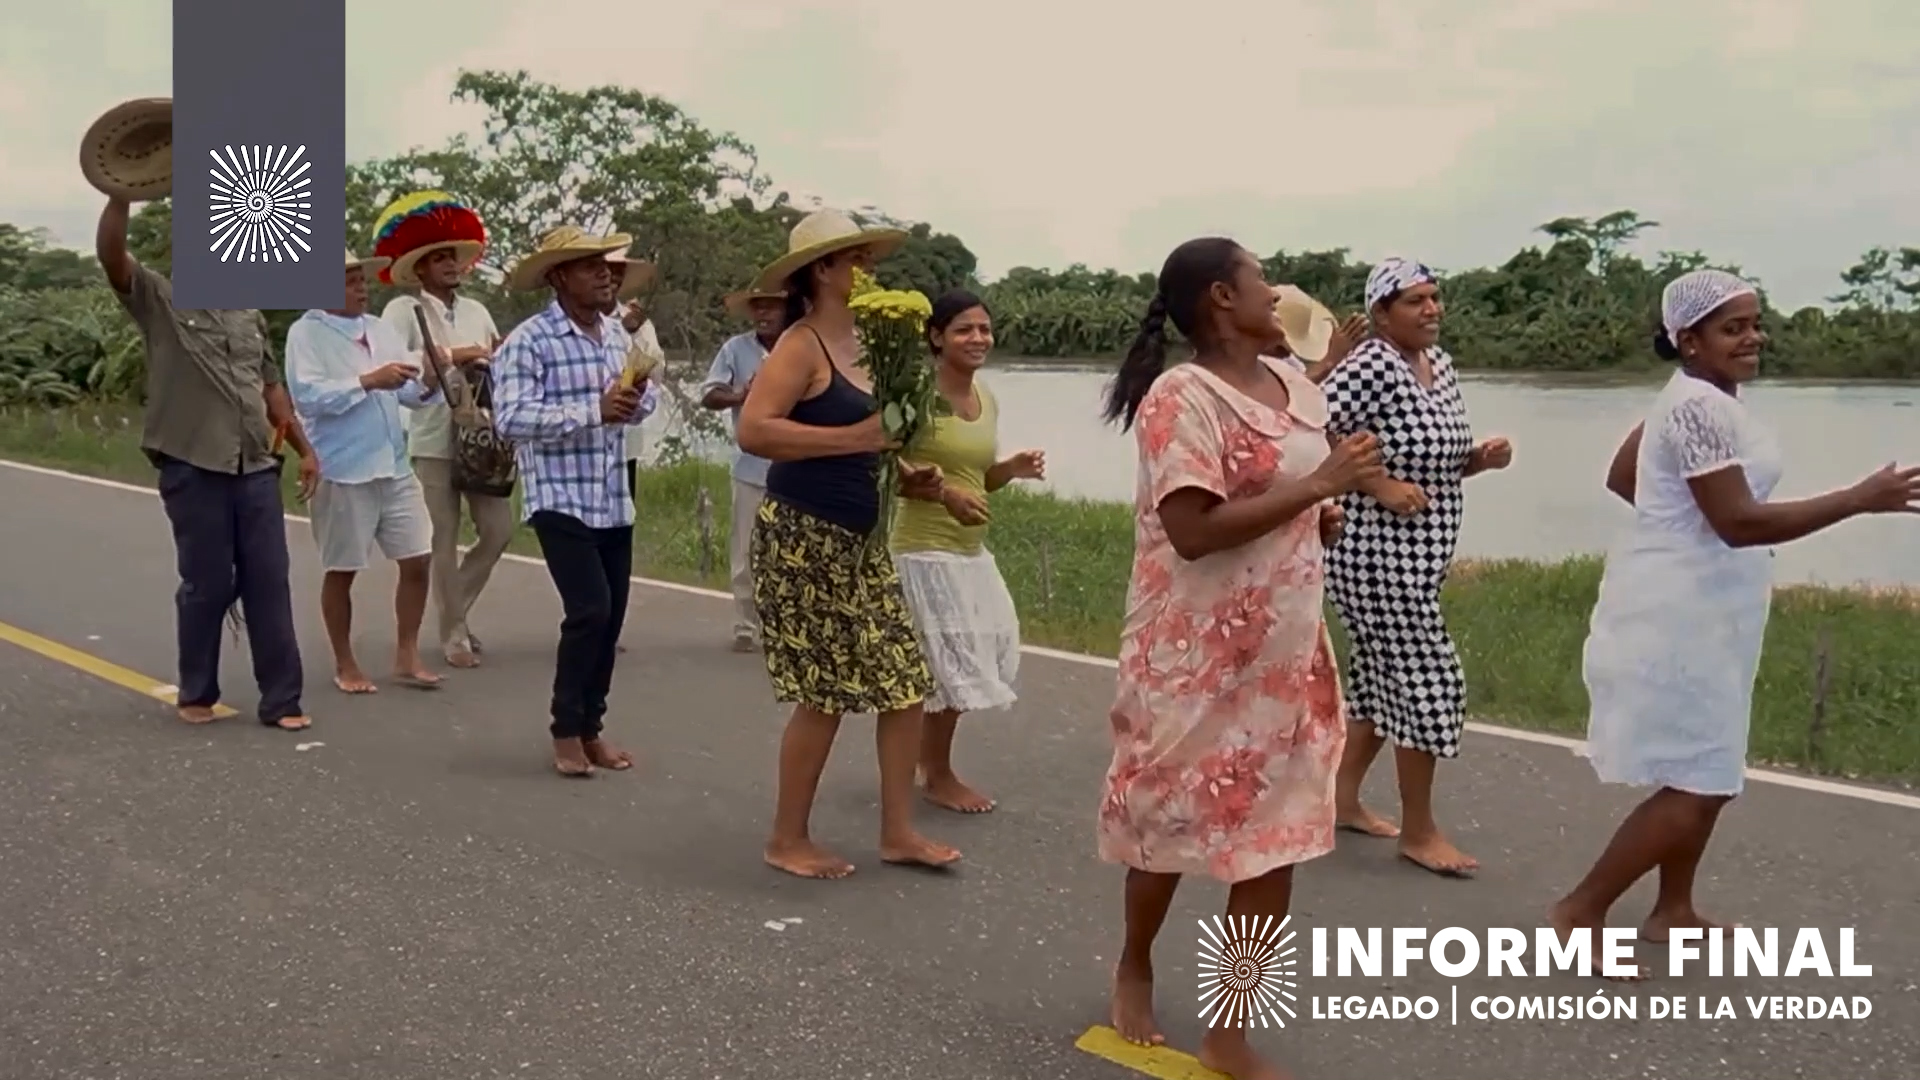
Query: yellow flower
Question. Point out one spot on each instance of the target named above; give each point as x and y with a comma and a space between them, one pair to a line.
893, 304
863, 283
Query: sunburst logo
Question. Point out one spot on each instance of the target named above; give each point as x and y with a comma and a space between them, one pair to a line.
260, 204
1246, 971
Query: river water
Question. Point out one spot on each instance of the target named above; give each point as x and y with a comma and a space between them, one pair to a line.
1551, 502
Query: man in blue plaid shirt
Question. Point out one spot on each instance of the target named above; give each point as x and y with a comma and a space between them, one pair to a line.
558, 396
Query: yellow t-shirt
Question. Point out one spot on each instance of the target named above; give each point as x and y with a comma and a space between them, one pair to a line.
964, 450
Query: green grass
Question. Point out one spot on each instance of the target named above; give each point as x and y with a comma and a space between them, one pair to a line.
1519, 625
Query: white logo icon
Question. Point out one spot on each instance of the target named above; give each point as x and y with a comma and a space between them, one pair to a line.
260, 204
1246, 971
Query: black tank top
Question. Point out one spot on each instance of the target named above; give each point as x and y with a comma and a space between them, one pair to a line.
840, 488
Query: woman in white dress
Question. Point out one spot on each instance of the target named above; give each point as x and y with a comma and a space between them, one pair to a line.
1676, 635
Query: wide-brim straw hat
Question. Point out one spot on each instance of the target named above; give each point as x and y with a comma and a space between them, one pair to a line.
639, 275
820, 234
405, 269
1308, 323
563, 245
372, 264
128, 152
740, 302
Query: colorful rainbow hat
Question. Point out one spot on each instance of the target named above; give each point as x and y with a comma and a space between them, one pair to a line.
426, 221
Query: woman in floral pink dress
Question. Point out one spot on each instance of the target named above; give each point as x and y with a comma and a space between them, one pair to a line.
1227, 724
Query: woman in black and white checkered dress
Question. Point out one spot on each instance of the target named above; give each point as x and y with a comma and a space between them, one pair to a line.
1384, 576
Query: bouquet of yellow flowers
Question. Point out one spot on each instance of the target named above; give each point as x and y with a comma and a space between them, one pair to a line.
892, 326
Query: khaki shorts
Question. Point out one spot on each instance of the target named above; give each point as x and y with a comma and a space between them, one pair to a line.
350, 519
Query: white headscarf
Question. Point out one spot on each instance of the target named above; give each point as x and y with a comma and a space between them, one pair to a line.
1395, 275
1695, 295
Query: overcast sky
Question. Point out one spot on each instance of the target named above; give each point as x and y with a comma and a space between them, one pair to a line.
1782, 135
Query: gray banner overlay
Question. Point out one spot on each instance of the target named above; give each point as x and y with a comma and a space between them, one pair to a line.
259, 153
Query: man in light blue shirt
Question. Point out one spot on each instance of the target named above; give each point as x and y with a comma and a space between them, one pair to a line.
349, 376
734, 367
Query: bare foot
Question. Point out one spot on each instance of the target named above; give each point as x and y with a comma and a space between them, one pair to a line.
605, 756
1437, 854
1658, 924
195, 714
474, 644
1565, 918
917, 850
1357, 818
291, 723
804, 858
351, 680
570, 758
1226, 1051
418, 676
949, 793
463, 658
1132, 1009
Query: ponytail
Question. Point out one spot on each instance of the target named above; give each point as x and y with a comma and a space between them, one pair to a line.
1144, 363
1664, 346
799, 294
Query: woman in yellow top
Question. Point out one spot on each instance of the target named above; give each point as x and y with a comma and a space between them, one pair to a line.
959, 601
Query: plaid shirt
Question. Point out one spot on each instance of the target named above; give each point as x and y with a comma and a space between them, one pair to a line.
547, 382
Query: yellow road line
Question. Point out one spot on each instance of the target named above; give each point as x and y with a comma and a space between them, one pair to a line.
1161, 1062
98, 668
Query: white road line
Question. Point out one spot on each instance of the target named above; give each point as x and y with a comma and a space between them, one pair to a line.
1576, 746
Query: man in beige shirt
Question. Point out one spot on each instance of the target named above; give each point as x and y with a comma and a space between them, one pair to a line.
215, 401
464, 327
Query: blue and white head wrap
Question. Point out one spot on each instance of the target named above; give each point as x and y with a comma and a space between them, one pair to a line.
1694, 296
1395, 275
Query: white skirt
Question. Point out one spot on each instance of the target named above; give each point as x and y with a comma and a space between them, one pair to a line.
1670, 662
967, 626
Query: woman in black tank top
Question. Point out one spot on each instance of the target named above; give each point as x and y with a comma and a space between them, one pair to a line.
836, 630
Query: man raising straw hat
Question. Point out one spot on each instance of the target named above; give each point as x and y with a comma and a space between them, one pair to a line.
216, 416
561, 392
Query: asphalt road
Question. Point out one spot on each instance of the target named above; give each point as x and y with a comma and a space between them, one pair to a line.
420, 897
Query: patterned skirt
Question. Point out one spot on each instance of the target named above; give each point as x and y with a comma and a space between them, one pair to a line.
835, 627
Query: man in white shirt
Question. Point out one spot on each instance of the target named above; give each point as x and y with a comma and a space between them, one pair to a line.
462, 326
349, 376
631, 277
734, 367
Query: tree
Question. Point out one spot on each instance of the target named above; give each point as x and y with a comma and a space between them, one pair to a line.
695, 202
1604, 236
930, 262
29, 261
1882, 280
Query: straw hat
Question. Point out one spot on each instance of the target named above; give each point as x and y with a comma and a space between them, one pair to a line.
405, 269
820, 234
372, 264
1309, 325
740, 303
128, 152
562, 245
639, 276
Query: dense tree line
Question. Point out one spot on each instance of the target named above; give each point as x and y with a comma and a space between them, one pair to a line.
697, 203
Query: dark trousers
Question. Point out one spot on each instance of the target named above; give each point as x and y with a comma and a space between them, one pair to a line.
230, 541
590, 568
633, 480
